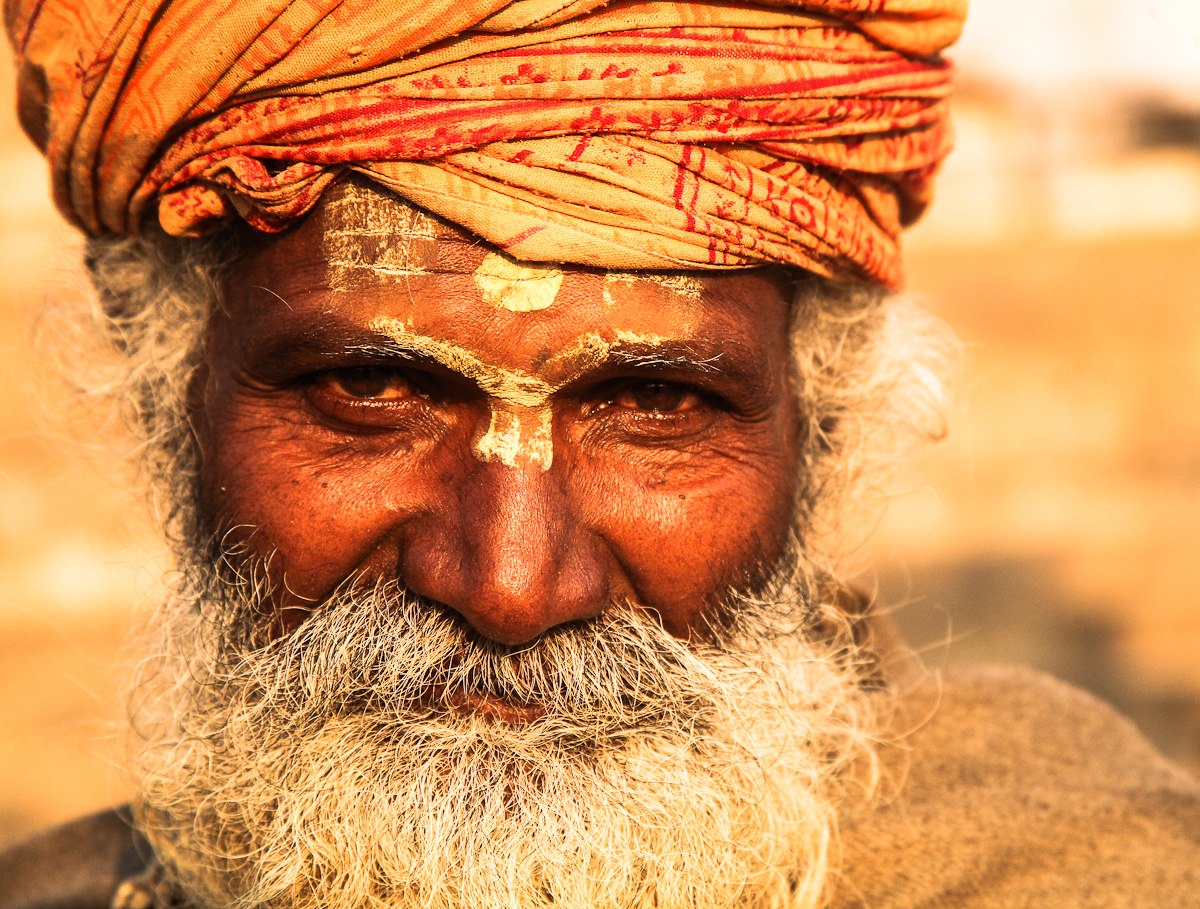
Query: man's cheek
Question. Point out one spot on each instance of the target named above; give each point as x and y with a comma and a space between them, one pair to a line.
685, 533
318, 512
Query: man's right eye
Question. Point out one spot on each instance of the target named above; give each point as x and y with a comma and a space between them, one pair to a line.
367, 383
379, 396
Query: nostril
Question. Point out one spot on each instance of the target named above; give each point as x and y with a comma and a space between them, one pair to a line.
510, 554
516, 602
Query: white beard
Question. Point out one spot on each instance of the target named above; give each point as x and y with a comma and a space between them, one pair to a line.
329, 769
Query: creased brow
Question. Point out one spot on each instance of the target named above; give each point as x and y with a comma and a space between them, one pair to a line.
636, 359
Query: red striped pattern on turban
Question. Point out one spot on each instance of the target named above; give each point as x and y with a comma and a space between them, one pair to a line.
630, 134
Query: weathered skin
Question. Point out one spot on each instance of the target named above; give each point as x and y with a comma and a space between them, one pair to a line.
634, 438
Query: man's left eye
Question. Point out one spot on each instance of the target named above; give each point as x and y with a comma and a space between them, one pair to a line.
658, 397
370, 383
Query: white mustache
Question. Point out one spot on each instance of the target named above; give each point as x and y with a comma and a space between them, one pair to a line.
398, 658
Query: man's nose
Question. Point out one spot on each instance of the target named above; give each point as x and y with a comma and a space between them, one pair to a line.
510, 553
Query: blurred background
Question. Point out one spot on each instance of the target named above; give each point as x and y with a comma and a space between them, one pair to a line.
1057, 527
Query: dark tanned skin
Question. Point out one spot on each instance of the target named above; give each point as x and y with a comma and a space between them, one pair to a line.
340, 451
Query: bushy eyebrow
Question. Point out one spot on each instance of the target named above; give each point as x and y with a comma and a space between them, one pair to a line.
634, 356
384, 349
663, 357
657, 359
330, 339
731, 366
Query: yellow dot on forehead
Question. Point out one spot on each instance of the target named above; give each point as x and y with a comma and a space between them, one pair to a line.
516, 286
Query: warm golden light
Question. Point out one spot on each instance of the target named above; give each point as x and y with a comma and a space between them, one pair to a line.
1058, 526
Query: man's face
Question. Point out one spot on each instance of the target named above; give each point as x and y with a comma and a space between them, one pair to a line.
387, 397
499, 509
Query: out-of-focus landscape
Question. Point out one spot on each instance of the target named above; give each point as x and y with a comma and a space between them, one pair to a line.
1057, 527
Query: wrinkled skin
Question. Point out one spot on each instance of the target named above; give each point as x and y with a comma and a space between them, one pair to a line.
336, 444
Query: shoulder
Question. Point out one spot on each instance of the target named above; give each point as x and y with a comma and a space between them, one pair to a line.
76, 866
1011, 789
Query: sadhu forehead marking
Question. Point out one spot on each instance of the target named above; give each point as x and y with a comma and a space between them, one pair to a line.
517, 436
520, 426
512, 386
686, 286
367, 231
517, 286
518, 433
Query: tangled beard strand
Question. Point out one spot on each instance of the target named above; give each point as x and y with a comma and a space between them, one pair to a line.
328, 768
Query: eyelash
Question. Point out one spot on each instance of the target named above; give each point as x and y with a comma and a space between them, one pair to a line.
647, 426
359, 413
390, 413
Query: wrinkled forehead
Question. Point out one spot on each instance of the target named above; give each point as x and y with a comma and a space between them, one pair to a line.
367, 234
370, 236
365, 254
369, 272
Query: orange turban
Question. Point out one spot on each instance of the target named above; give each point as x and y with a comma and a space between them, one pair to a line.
626, 134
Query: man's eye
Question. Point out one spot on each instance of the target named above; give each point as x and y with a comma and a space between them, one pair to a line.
658, 397
379, 397
370, 383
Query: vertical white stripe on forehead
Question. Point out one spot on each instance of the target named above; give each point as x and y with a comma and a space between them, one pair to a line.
520, 424
368, 231
518, 436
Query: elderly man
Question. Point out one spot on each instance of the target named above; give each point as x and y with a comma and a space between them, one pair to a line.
500, 367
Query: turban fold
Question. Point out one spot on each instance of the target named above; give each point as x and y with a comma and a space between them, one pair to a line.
627, 134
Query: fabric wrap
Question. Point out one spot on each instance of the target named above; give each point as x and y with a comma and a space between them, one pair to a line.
624, 135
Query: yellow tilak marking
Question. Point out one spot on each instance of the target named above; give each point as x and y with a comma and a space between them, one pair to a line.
509, 385
520, 429
687, 286
516, 286
518, 436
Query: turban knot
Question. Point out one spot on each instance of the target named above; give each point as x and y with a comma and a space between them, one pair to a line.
627, 134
